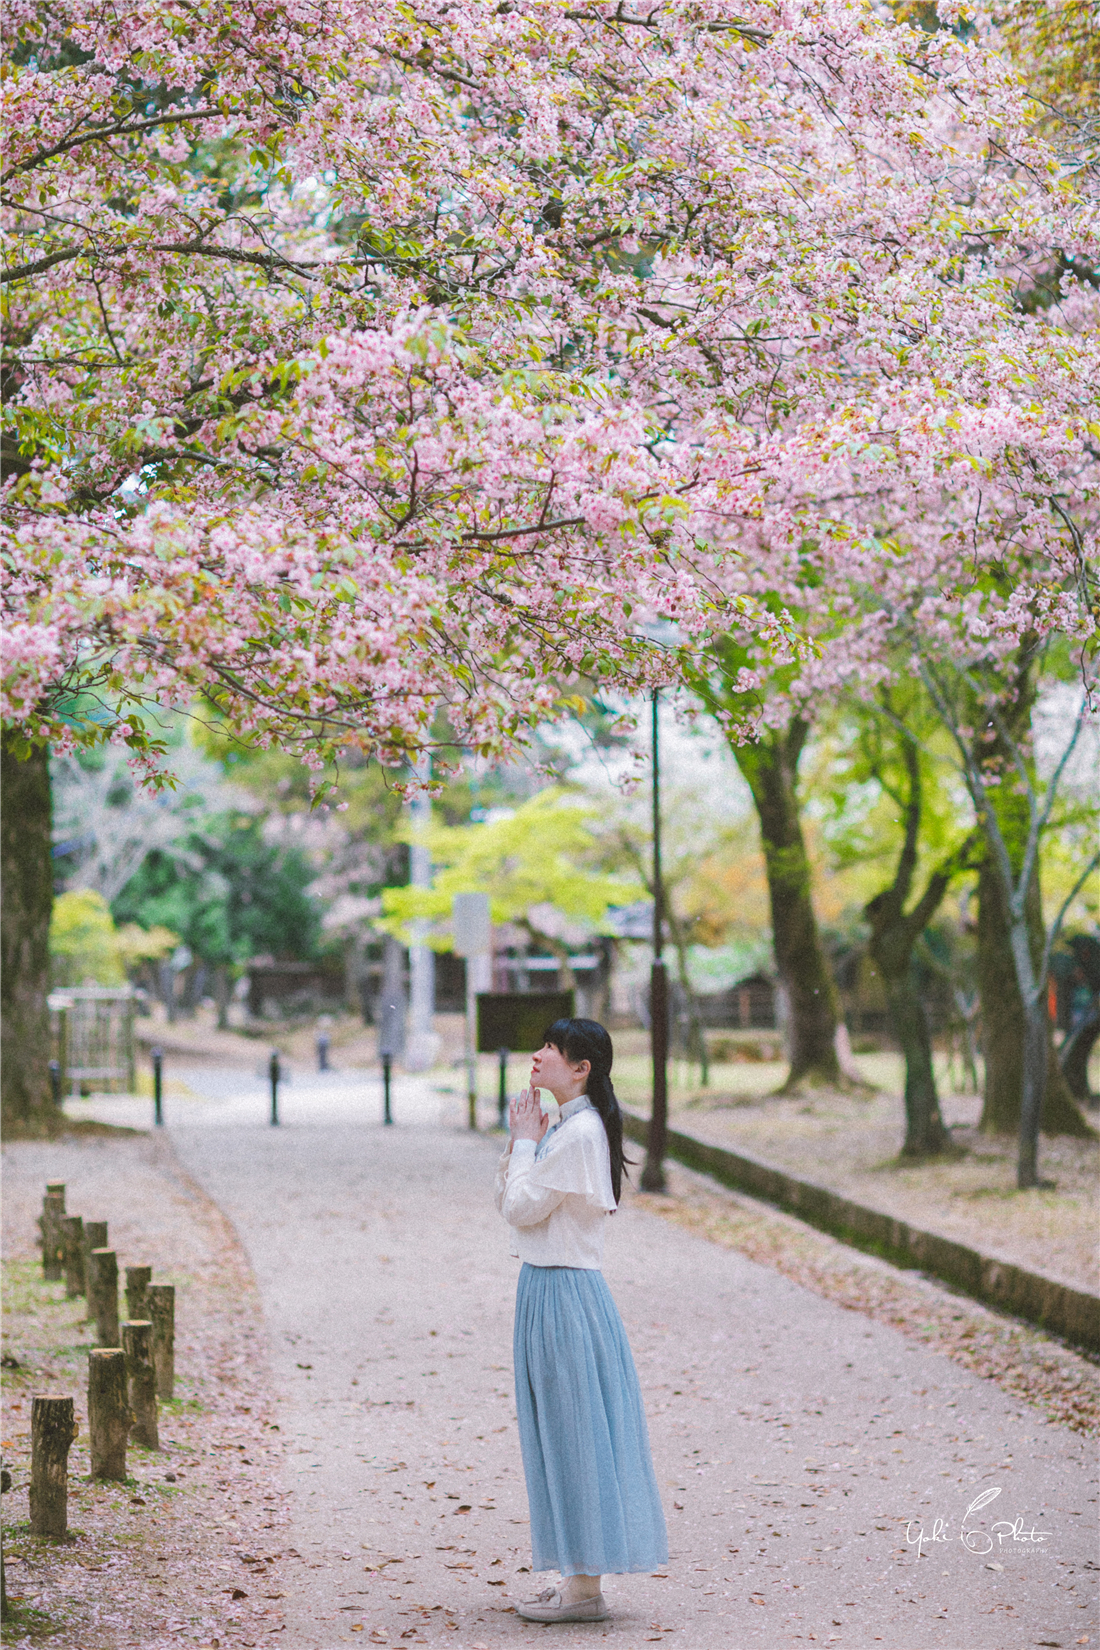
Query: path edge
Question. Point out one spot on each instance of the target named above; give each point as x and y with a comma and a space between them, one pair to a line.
1073, 1314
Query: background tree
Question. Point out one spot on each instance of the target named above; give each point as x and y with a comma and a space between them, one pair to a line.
27, 890
87, 947
228, 893
769, 762
539, 866
885, 753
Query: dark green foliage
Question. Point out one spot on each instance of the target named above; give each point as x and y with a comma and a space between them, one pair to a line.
230, 895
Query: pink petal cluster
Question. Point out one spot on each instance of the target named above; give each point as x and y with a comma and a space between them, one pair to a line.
371, 361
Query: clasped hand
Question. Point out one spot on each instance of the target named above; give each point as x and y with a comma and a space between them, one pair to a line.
526, 1118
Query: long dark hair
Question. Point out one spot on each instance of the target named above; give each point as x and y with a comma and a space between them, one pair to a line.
587, 1040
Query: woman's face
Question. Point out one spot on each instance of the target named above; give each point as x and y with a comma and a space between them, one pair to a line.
551, 1070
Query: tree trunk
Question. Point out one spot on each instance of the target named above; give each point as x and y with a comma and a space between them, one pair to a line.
1036, 1063
26, 886
1003, 1021
108, 1413
771, 767
52, 1432
925, 1133
223, 992
1074, 1057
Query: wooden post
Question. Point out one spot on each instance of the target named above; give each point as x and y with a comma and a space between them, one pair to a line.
53, 1211
95, 1237
72, 1247
103, 1295
141, 1381
108, 1413
160, 1300
52, 1432
137, 1281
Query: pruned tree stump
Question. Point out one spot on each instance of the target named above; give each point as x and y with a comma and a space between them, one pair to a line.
108, 1413
53, 1428
53, 1212
141, 1378
103, 1295
161, 1304
95, 1237
137, 1281
72, 1249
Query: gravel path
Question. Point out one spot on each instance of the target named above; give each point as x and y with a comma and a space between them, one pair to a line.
797, 1443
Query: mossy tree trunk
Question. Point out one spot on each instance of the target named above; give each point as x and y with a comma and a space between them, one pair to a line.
26, 902
770, 765
1003, 1020
1012, 1037
894, 933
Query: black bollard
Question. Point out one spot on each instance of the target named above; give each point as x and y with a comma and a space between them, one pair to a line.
502, 1097
273, 1069
322, 1051
55, 1081
158, 1087
387, 1066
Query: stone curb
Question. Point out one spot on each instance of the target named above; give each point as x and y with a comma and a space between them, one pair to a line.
1055, 1307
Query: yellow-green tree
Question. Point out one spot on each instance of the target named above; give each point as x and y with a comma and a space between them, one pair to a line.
86, 946
539, 866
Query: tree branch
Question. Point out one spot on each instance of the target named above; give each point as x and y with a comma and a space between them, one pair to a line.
120, 129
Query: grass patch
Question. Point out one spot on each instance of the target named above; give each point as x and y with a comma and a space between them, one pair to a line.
176, 1406
25, 1622
54, 1125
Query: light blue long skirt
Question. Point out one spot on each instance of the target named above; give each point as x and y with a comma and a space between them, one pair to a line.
595, 1509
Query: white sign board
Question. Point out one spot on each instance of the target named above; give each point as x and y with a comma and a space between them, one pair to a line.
470, 925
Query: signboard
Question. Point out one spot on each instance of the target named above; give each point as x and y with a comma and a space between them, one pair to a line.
516, 1020
470, 925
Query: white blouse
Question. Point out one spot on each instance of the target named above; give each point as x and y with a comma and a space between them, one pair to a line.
556, 1196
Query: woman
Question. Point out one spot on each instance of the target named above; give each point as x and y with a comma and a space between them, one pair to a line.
590, 1484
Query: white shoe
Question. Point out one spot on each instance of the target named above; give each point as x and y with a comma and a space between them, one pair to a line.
550, 1606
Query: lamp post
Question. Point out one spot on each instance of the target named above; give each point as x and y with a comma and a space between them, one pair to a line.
653, 1174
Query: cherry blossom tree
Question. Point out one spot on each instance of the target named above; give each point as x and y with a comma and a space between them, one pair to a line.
364, 365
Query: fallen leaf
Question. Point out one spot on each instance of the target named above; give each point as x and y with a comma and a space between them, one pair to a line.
463, 1509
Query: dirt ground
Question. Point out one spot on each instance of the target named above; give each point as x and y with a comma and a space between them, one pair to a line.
851, 1144
189, 1549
